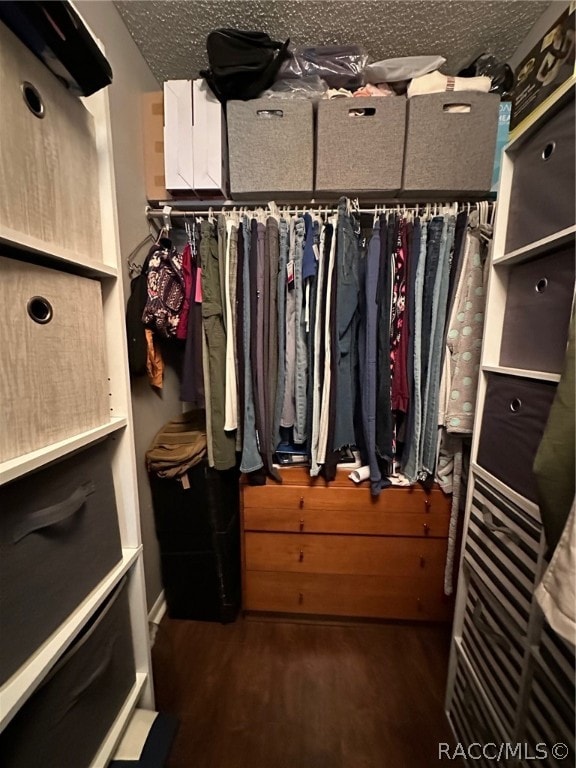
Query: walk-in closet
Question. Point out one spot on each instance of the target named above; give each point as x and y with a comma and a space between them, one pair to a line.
287, 452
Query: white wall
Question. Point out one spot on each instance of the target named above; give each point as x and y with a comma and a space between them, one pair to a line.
132, 77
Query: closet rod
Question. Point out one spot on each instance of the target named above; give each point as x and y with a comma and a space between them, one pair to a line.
159, 213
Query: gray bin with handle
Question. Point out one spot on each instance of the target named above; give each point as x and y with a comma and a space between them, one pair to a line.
360, 145
270, 147
65, 721
448, 150
59, 538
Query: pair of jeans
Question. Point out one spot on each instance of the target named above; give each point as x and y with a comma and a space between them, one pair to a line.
288, 415
430, 428
435, 230
272, 255
384, 438
251, 459
223, 443
301, 364
411, 464
411, 297
346, 328
281, 306
369, 352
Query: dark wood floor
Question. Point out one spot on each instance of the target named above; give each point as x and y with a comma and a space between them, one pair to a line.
263, 694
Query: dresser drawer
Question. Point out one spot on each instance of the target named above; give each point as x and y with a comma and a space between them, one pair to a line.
50, 195
384, 597
314, 553
503, 547
397, 512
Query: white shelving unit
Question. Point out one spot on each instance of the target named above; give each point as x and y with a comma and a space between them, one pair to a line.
466, 658
118, 430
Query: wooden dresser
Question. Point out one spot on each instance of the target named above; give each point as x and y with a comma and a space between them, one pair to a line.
333, 550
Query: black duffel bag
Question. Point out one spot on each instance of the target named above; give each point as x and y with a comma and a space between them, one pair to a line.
242, 64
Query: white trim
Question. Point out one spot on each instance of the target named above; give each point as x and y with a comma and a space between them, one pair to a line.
155, 616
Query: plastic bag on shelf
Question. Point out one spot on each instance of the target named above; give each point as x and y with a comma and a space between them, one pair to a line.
404, 68
311, 87
341, 66
498, 71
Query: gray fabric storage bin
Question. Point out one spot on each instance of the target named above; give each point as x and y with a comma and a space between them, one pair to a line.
549, 720
59, 538
470, 718
495, 649
358, 153
53, 375
67, 718
270, 147
545, 162
515, 414
503, 547
450, 151
537, 315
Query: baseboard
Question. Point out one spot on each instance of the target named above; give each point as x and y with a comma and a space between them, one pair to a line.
155, 616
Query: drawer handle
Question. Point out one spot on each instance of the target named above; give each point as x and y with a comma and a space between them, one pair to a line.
32, 99
548, 150
301, 523
541, 285
427, 505
40, 310
57, 513
495, 528
301, 556
301, 502
300, 597
484, 628
515, 405
426, 529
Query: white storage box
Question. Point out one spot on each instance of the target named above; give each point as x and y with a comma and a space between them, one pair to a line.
195, 156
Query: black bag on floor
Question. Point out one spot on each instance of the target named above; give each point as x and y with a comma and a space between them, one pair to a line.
242, 64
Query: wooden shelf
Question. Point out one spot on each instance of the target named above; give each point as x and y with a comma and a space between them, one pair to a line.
523, 373
558, 239
21, 685
108, 746
51, 256
525, 504
20, 465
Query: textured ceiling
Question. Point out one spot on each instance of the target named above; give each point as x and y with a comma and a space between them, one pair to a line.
171, 34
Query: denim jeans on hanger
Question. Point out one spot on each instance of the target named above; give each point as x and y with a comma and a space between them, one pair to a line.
347, 289
368, 353
288, 414
273, 256
435, 231
281, 306
251, 459
384, 299
411, 464
411, 293
430, 428
301, 364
